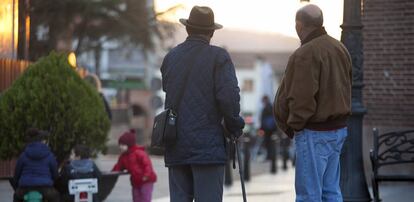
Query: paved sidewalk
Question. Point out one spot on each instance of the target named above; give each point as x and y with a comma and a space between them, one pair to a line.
263, 187
280, 188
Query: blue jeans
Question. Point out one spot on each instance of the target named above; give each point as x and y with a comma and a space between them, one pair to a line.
317, 165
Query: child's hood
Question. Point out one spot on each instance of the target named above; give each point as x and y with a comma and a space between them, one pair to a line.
37, 151
82, 166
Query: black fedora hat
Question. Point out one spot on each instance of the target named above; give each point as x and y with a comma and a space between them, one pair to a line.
201, 17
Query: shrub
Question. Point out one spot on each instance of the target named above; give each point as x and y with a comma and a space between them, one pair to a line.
51, 96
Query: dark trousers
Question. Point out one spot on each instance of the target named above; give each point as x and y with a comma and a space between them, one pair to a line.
49, 193
202, 183
270, 145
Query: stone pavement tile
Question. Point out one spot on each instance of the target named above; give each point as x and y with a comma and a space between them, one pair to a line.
6, 191
264, 188
122, 190
261, 188
396, 192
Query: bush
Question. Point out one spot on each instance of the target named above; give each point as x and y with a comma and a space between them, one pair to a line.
51, 96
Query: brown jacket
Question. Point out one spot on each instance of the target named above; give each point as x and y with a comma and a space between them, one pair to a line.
315, 92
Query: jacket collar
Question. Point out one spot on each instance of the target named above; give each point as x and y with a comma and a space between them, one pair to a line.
134, 148
314, 34
198, 38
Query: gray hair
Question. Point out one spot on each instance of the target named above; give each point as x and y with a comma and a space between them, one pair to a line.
310, 15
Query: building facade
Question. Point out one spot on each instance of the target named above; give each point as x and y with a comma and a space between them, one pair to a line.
389, 63
258, 74
388, 95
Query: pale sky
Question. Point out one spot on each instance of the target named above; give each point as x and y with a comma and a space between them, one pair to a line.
276, 16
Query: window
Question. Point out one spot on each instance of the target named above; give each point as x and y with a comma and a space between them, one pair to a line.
248, 85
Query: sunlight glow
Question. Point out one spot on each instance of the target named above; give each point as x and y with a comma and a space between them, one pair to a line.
8, 28
277, 16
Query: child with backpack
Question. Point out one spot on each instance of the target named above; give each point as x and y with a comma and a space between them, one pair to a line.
80, 167
135, 160
36, 169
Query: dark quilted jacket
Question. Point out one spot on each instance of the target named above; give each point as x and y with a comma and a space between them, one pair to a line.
211, 94
36, 166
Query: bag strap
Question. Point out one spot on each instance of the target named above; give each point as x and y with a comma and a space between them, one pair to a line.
187, 72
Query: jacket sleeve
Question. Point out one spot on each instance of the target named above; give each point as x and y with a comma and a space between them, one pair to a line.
53, 167
18, 172
281, 110
163, 74
119, 166
227, 94
301, 86
146, 163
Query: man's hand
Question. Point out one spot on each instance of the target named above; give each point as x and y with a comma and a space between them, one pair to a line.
290, 132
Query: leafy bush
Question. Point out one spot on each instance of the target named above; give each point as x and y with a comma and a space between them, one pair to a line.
51, 96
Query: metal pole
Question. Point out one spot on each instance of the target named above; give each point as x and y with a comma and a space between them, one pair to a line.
353, 183
23, 38
246, 155
273, 153
228, 177
285, 151
239, 159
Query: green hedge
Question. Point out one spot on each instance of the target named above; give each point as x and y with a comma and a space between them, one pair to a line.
51, 96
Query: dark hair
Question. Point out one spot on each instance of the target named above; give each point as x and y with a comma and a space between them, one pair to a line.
309, 20
34, 135
82, 151
195, 31
265, 99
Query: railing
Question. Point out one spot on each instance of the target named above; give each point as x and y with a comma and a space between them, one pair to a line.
9, 71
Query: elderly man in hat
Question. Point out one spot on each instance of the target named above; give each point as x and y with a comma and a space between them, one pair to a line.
206, 75
312, 105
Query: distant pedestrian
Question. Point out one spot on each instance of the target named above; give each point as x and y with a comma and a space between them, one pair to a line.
312, 105
36, 168
196, 159
268, 127
135, 160
94, 80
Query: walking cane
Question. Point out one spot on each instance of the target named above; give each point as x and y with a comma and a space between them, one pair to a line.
237, 148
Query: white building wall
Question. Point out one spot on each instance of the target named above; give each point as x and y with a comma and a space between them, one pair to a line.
264, 83
247, 99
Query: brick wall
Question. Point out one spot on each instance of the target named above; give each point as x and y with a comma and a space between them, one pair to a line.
389, 62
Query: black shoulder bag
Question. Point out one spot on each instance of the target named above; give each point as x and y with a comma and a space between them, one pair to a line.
164, 131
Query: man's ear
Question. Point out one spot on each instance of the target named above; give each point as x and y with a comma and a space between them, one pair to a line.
212, 34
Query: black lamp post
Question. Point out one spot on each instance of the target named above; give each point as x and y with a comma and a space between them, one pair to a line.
353, 183
23, 30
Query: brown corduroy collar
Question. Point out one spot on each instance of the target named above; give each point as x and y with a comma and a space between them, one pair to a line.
314, 34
